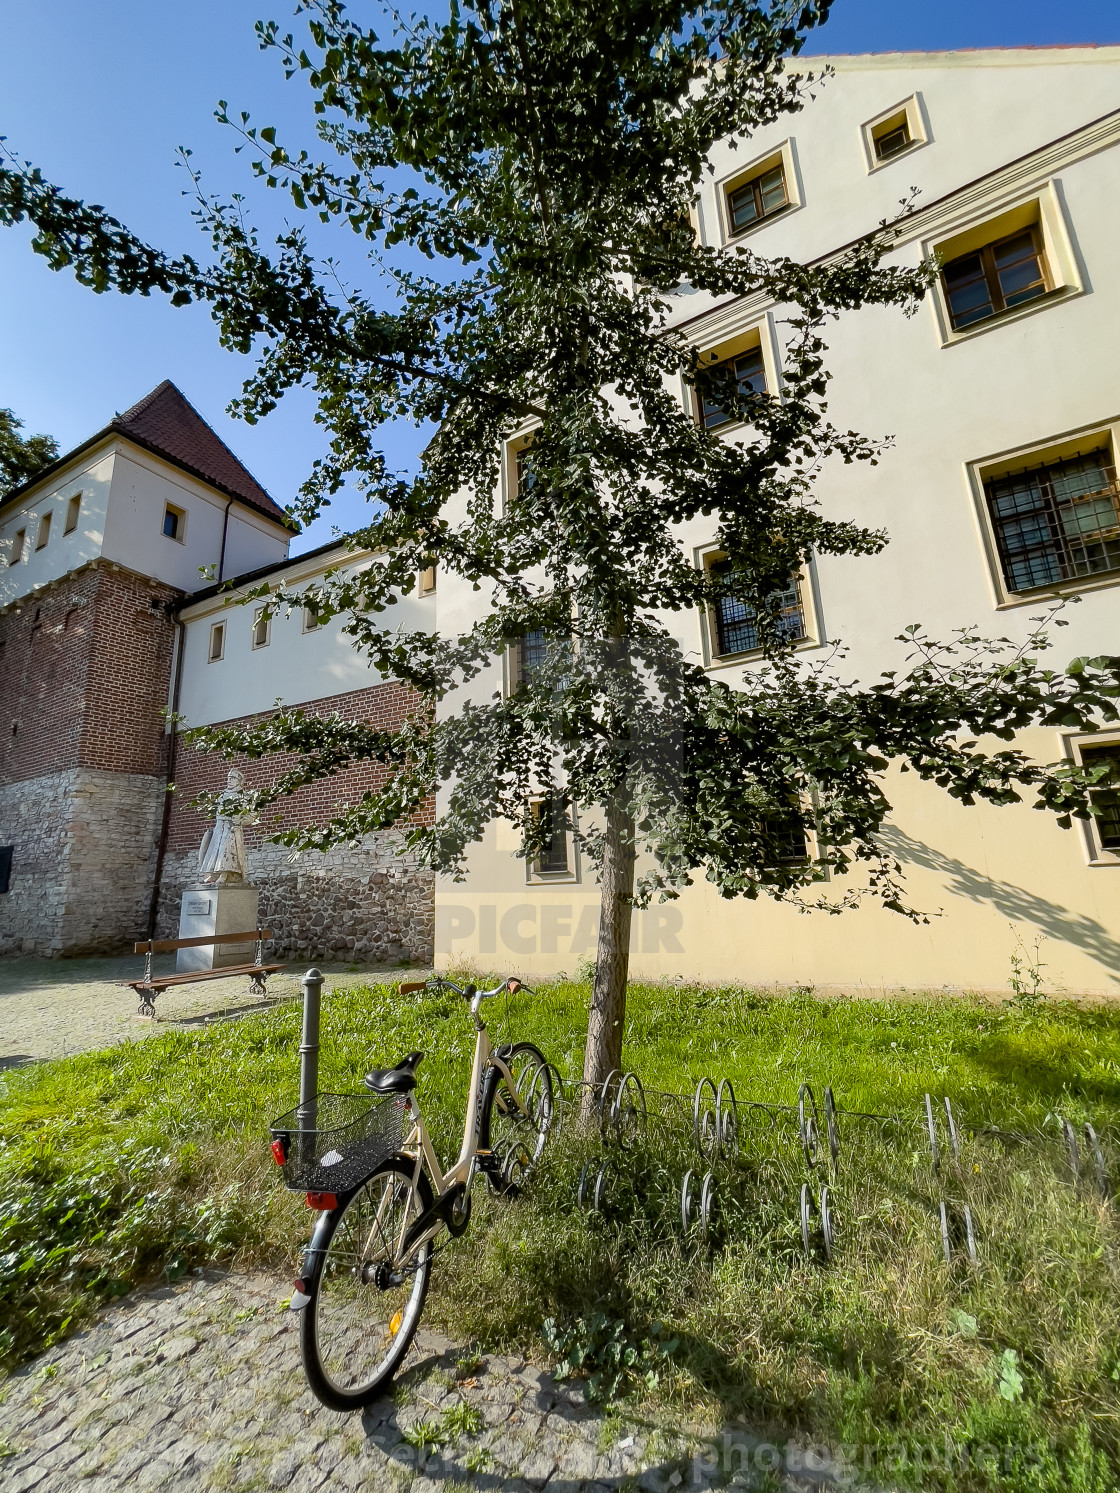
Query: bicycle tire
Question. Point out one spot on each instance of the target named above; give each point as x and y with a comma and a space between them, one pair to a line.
338, 1328
542, 1090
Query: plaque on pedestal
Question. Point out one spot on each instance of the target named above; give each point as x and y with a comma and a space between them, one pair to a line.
210, 911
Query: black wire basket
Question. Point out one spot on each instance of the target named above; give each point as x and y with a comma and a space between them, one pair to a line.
333, 1143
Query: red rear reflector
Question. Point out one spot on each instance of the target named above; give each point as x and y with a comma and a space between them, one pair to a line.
322, 1200
278, 1152
300, 1286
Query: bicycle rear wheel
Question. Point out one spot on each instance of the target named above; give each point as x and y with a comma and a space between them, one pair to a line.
366, 1306
516, 1136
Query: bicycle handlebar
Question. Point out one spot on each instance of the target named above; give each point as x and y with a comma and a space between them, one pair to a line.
471, 993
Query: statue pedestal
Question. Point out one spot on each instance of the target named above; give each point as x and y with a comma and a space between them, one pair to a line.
210, 911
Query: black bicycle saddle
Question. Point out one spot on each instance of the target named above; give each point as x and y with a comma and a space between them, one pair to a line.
399, 1079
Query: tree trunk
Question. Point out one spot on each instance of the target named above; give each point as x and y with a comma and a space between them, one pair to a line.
612, 962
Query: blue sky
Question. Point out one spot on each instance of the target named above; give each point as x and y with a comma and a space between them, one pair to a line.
100, 95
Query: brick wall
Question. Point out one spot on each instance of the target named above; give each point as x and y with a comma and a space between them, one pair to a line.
84, 671
361, 902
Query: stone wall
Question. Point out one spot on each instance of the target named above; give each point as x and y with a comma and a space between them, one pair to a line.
84, 861
350, 903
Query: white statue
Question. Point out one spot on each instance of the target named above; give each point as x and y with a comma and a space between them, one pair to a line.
221, 856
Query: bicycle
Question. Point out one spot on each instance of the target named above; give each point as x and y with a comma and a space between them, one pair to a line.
373, 1175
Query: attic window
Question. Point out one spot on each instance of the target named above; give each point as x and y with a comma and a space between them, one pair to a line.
174, 522
217, 643
73, 509
44, 532
262, 628
17, 546
428, 580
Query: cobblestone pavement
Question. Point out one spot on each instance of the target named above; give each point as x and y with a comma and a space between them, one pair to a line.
199, 1386
50, 1008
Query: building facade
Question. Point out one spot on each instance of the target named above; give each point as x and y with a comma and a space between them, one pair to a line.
998, 490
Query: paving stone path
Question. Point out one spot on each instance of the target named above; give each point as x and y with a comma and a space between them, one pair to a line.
50, 1008
199, 1386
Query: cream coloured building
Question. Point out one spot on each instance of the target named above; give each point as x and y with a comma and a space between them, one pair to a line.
999, 493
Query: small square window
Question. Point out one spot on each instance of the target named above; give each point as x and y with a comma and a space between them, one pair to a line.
174, 522
44, 532
73, 511
760, 197
262, 628
17, 546
217, 643
891, 137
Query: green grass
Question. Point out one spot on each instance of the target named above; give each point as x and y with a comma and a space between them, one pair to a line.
139, 1162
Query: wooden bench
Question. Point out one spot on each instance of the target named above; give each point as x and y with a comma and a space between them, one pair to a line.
149, 986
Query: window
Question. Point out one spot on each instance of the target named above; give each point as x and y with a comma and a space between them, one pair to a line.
760, 197
792, 843
1106, 801
6, 854
1056, 522
529, 654
749, 372
17, 546
311, 620
262, 628
44, 532
217, 642
553, 859
174, 522
995, 278
427, 582
891, 138
735, 623
73, 509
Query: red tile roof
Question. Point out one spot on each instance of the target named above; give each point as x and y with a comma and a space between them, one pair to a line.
167, 424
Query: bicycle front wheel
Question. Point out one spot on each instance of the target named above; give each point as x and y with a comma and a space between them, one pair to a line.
357, 1328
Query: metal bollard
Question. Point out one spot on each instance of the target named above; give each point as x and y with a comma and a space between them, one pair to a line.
312, 984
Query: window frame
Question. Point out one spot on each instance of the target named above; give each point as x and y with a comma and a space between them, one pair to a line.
43, 537
180, 534
1041, 210
19, 546
783, 155
740, 337
533, 875
426, 581
260, 619
715, 361
1097, 855
990, 275
912, 112
1048, 452
310, 621
217, 631
73, 513
805, 579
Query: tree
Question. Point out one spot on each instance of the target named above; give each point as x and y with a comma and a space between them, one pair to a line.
20, 457
545, 157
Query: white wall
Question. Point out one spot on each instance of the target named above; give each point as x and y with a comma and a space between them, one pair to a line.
143, 485
91, 476
296, 666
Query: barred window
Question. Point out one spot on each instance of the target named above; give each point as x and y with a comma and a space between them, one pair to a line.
736, 621
1106, 801
761, 197
995, 278
1057, 522
750, 377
